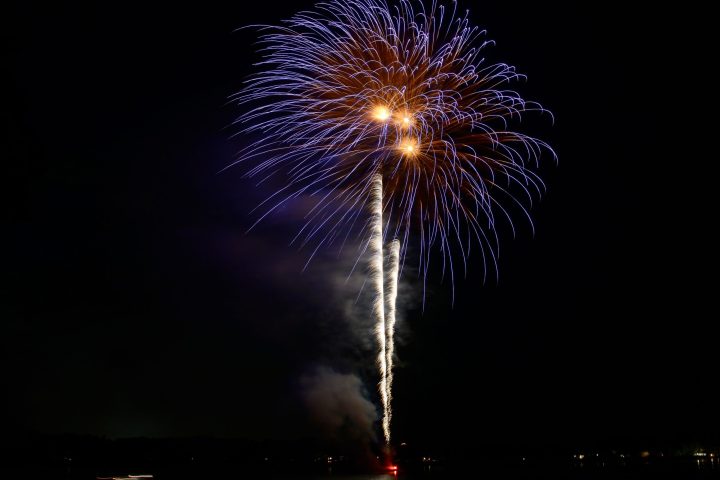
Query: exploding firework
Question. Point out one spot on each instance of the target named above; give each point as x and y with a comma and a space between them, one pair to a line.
391, 111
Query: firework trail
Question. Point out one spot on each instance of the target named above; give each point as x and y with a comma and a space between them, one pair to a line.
375, 245
385, 293
390, 303
390, 109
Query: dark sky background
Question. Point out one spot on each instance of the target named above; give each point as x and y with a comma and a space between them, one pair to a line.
136, 305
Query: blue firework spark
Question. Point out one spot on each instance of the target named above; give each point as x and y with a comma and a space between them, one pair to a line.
358, 90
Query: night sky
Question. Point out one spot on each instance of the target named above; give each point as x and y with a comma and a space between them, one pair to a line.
136, 304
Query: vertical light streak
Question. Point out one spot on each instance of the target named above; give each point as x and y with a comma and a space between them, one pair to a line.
378, 278
390, 302
385, 300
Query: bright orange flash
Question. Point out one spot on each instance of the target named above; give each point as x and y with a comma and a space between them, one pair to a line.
409, 147
405, 120
381, 113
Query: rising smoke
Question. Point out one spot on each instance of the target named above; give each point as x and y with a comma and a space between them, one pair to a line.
339, 405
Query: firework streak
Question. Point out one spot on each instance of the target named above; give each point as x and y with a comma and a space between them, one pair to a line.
377, 261
363, 106
385, 286
390, 302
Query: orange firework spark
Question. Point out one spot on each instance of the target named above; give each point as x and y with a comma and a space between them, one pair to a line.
356, 89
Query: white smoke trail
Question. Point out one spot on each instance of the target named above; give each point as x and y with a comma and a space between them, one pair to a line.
390, 301
378, 278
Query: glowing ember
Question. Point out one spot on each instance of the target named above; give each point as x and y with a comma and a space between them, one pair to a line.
381, 113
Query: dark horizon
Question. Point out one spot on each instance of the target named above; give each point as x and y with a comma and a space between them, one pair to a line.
138, 306
72, 456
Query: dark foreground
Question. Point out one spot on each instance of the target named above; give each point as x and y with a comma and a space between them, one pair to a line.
73, 457
672, 472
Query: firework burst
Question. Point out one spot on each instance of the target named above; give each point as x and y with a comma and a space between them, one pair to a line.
392, 110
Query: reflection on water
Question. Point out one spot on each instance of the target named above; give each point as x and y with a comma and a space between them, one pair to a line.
382, 476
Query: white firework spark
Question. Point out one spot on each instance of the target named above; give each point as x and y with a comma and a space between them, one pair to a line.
390, 303
375, 246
